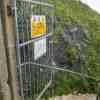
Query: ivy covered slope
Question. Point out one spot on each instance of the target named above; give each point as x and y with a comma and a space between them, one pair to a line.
73, 11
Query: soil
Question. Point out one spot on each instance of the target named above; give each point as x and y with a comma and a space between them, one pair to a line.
76, 97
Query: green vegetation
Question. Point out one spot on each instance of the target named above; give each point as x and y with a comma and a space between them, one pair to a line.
74, 12
71, 83
71, 53
68, 83
71, 12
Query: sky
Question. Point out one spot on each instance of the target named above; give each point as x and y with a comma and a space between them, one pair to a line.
94, 4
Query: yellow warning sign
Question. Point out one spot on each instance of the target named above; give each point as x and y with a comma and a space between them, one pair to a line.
38, 26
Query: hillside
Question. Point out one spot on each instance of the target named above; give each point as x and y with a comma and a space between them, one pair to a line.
74, 12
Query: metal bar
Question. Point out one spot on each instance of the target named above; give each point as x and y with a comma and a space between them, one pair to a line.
26, 53
38, 3
18, 50
53, 67
33, 40
52, 53
43, 91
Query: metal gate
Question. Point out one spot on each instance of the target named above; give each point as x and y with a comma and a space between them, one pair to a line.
33, 80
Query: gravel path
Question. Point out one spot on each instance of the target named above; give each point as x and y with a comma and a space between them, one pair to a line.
75, 97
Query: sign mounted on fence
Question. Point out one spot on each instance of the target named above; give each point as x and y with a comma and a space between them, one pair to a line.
39, 48
38, 26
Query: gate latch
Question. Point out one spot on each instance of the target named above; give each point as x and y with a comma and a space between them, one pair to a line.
9, 10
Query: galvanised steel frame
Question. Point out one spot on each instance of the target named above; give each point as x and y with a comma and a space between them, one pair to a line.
33, 81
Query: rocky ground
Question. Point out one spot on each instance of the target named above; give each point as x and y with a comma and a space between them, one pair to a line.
75, 97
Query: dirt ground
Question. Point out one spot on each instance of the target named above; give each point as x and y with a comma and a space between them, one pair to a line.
76, 97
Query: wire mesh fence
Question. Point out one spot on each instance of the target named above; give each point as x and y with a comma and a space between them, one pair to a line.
33, 81
36, 80
66, 82
39, 79
63, 82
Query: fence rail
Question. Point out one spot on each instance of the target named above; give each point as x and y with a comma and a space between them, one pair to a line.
62, 79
